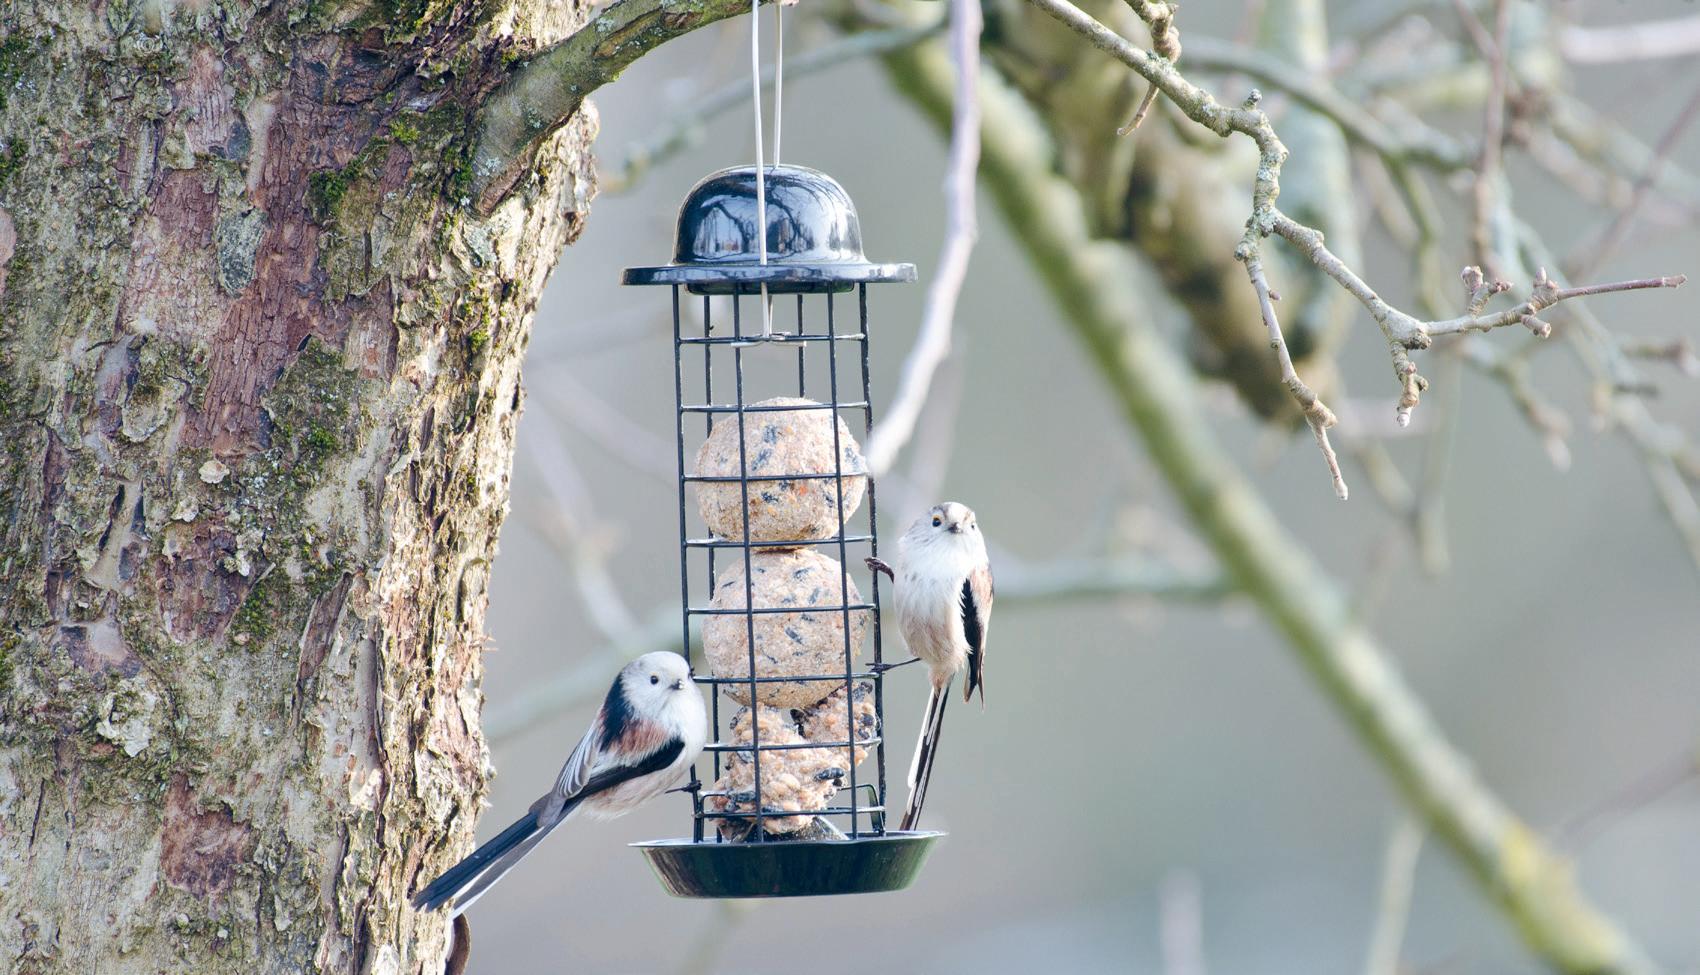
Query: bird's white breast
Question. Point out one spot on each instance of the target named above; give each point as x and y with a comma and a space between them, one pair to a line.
928, 599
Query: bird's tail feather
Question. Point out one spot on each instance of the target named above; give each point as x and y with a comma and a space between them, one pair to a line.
498, 869
467, 880
926, 747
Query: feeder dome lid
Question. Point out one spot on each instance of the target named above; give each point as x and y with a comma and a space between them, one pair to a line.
814, 240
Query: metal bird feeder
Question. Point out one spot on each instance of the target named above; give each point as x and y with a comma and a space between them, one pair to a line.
793, 807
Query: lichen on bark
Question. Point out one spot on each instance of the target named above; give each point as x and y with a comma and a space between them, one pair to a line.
259, 375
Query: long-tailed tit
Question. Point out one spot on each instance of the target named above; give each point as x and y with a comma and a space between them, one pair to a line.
649, 732
942, 586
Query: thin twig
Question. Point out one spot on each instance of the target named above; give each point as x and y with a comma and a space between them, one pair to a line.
1578, 830
1512, 372
1542, 296
1180, 923
1419, 145
1393, 910
1488, 173
689, 125
1483, 41
1019, 584
1664, 451
572, 519
935, 437
1595, 254
1316, 413
1645, 41
1166, 41
638, 446
932, 343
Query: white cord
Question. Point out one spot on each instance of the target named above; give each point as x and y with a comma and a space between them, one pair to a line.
778, 74
761, 177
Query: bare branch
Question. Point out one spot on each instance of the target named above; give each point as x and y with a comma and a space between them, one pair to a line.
1646, 41
1544, 295
1166, 41
1403, 332
1316, 413
1393, 910
1678, 352
1512, 372
1597, 252
572, 528
1069, 580
1421, 145
1488, 171
1180, 922
1575, 832
932, 343
690, 124
544, 92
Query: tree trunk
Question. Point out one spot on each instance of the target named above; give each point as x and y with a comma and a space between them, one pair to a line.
259, 376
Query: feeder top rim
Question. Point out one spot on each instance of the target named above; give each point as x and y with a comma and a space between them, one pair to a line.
779, 278
812, 239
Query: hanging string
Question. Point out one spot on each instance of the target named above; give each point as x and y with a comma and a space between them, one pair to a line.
778, 75
778, 113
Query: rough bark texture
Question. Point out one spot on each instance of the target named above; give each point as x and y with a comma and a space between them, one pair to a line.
259, 374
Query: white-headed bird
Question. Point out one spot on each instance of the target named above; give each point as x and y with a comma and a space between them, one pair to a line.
645, 738
942, 584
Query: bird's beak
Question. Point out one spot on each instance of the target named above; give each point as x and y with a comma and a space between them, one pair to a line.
956, 528
678, 685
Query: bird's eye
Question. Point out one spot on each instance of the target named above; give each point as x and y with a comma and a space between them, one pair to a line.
937, 521
654, 679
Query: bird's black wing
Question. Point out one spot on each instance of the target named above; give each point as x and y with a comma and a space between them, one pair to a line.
653, 762
976, 617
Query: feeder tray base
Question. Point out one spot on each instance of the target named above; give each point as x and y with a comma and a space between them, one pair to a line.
810, 868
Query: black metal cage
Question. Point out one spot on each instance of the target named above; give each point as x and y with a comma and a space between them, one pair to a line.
764, 328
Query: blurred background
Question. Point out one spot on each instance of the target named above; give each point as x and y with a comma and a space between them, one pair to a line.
1154, 786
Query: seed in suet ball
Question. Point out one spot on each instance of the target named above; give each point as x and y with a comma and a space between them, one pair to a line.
781, 442
807, 642
793, 780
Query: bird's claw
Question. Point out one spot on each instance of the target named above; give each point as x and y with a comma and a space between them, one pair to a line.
879, 566
881, 668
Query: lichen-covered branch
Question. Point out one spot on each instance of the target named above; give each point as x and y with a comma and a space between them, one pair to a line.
1086, 276
1404, 333
545, 91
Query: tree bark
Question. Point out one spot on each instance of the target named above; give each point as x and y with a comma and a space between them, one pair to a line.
259, 376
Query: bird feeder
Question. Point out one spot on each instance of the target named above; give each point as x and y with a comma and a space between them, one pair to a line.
776, 513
